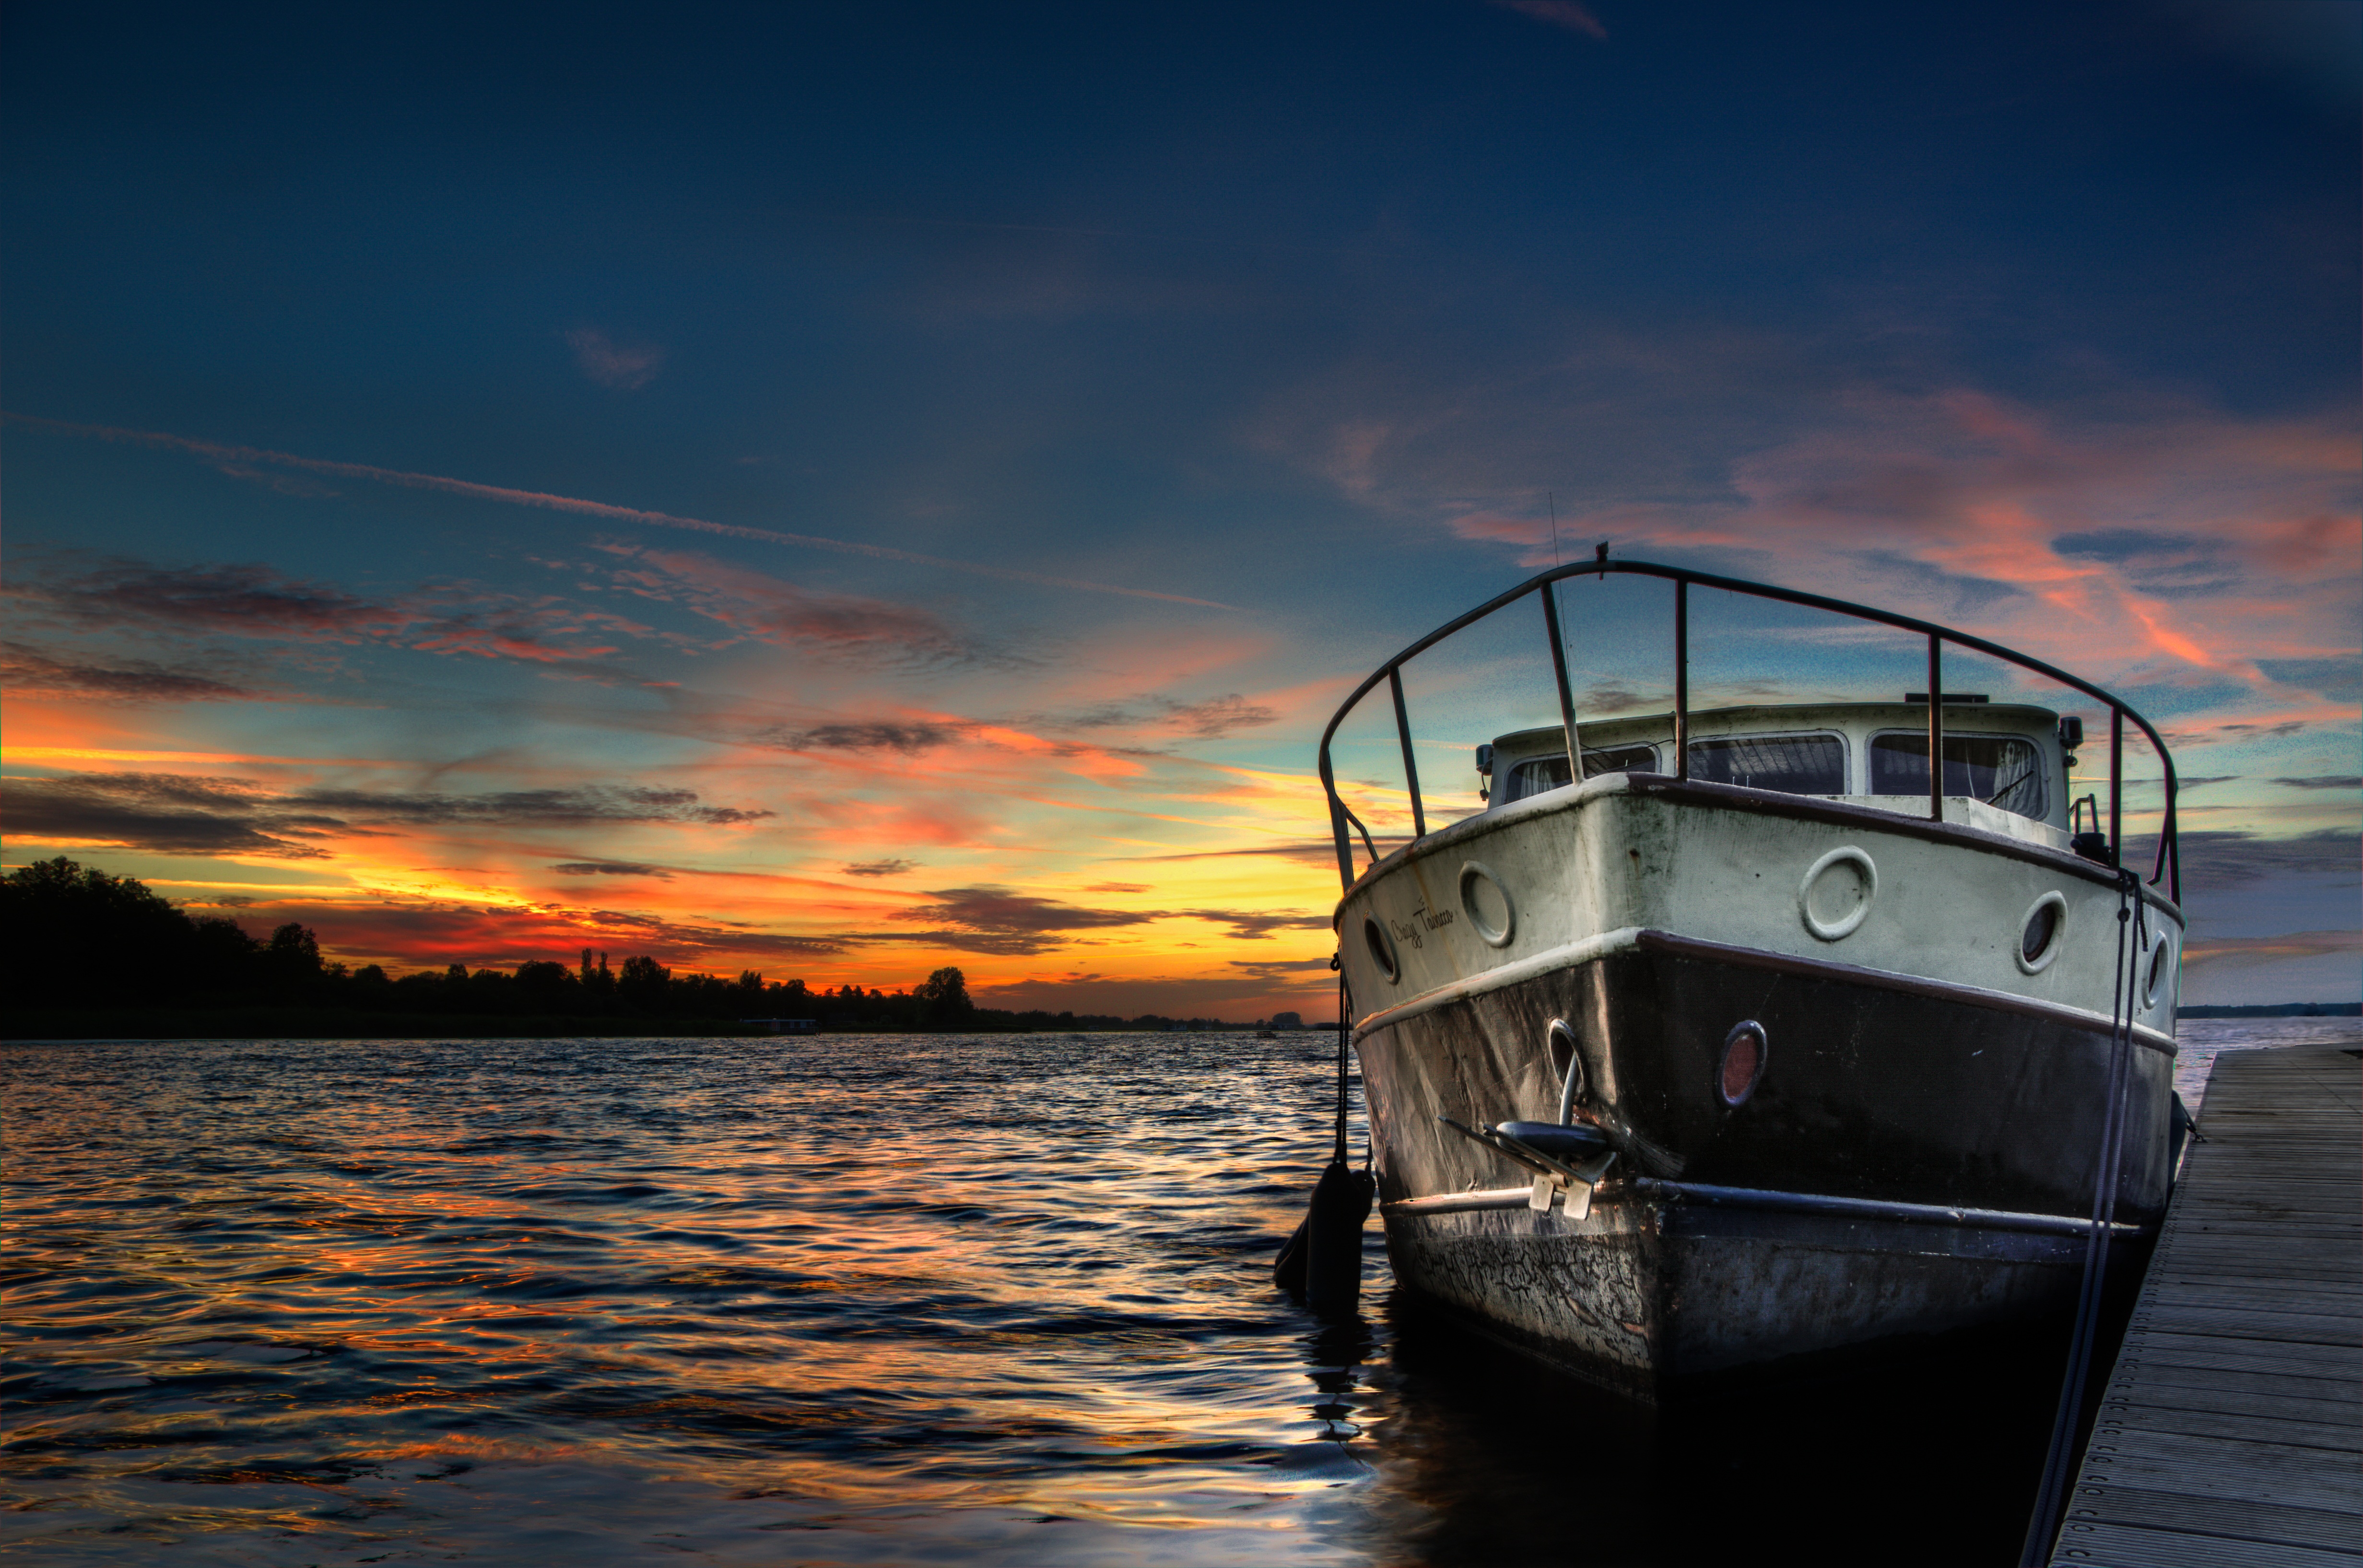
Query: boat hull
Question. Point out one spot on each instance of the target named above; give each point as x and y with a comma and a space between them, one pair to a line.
1878, 1088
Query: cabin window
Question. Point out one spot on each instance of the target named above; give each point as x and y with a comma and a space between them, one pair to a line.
1620, 760
1538, 774
2002, 771
1794, 765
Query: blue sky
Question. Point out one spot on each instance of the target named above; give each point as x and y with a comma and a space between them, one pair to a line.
2039, 319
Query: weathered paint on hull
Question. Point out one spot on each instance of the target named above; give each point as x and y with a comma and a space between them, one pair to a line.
1869, 1092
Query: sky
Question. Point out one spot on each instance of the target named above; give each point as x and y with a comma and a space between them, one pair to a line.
838, 492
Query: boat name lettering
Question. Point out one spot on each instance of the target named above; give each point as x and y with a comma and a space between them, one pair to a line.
1421, 921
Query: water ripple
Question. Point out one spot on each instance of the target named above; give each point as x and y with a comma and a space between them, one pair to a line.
832, 1300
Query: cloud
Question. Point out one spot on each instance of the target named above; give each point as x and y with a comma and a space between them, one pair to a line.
2324, 782
254, 600
584, 803
1211, 719
29, 672
2220, 860
251, 601
1001, 909
875, 736
890, 867
1117, 887
625, 367
771, 610
1218, 716
1564, 14
1259, 927
1278, 969
190, 814
170, 813
610, 868
285, 484
2145, 533
216, 453
2270, 949
2339, 679
998, 921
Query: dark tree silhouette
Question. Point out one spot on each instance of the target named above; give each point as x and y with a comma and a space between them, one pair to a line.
943, 1001
76, 940
642, 984
78, 937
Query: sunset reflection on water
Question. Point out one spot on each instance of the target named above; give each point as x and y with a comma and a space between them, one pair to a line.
320, 1300
837, 1299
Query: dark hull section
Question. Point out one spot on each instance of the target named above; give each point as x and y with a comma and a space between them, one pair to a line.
1869, 1091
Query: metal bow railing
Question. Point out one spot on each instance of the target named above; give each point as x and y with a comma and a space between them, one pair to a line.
2168, 865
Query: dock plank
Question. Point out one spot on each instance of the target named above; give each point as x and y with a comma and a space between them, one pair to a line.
2261, 1355
2157, 1393
2103, 1544
2231, 1432
2294, 1431
2217, 1515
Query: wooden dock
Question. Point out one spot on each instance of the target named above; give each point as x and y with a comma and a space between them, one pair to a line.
2232, 1429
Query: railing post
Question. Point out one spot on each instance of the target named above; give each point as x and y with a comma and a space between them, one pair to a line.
1566, 692
1682, 678
1411, 767
1345, 844
2117, 783
1936, 728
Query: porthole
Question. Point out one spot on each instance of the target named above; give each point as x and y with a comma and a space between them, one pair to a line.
1834, 898
2038, 934
1383, 949
1487, 904
2160, 965
1741, 1066
1567, 1065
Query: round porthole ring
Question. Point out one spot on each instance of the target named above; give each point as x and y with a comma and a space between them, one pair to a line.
1383, 948
1745, 1028
1838, 929
2162, 948
2050, 949
1470, 872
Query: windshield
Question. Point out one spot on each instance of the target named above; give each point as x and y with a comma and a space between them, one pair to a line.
2002, 770
1795, 764
1538, 774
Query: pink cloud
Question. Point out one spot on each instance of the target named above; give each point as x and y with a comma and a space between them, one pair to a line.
778, 611
625, 367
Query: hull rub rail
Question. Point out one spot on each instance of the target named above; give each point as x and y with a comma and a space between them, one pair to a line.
1630, 939
1788, 1202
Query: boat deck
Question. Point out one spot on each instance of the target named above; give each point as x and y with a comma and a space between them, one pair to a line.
2232, 1429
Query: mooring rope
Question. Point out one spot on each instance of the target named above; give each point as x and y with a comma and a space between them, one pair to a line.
2050, 1498
1343, 1024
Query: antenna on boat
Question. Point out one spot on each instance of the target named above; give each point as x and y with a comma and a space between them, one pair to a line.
1554, 512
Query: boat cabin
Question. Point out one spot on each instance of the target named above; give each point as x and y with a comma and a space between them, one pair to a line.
2006, 765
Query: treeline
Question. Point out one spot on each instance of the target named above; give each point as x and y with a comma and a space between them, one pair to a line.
76, 940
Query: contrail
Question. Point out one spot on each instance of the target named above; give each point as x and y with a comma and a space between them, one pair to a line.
217, 452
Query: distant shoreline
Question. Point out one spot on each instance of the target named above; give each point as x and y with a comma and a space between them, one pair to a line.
2277, 1010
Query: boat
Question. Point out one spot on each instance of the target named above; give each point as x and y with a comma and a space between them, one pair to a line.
1724, 1037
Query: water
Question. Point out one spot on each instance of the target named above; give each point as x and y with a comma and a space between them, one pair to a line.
851, 1299
2198, 1039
